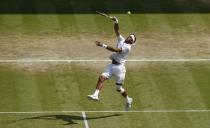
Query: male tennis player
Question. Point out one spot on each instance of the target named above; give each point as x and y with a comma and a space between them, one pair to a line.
116, 68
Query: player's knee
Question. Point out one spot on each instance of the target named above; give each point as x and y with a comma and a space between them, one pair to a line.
102, 78
119, 88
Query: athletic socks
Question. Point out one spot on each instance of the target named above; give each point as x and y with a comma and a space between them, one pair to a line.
128, 98
96, 92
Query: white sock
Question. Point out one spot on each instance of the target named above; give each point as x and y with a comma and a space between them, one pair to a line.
96, 92
127, 98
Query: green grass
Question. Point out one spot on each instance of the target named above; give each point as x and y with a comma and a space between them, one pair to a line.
153, 86
91, 24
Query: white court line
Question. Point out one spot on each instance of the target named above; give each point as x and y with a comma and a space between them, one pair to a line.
98, 60
134, 111
85, 119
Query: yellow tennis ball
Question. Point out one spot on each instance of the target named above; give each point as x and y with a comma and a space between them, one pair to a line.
129, 12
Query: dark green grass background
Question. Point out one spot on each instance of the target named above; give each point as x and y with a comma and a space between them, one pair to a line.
116, 6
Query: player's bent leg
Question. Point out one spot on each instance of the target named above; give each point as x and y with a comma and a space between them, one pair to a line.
100, 82
120, 89
99, 86
129, 100
120, 77
104, 76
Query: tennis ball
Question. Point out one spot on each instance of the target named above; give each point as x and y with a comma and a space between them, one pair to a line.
129, 12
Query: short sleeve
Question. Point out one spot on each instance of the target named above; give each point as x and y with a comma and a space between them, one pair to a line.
125, 49
120, 38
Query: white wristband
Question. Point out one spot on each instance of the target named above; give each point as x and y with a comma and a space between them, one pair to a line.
116, 21
104, 46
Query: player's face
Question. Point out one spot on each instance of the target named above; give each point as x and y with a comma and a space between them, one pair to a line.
129, 40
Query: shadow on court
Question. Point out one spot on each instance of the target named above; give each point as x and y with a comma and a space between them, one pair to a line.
69, 119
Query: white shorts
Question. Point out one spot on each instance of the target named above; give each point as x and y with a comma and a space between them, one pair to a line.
118, 71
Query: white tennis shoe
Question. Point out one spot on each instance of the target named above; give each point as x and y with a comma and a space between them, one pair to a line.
128, 104
93, 97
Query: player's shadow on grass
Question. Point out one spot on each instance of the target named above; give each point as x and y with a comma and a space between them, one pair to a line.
69, 119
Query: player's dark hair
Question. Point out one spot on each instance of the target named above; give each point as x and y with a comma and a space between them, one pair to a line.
135, 37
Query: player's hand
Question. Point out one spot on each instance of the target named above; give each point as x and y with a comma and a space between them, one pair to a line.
98, 43
114, 18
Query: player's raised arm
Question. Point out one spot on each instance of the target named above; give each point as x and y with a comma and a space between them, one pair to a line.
116, 26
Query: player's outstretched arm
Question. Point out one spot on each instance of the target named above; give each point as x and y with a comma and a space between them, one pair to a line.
108, 47
116, 26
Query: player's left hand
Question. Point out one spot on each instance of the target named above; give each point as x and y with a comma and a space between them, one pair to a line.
114, 18
98, 43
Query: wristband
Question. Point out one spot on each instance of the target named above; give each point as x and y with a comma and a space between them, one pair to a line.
116, 21
104, 46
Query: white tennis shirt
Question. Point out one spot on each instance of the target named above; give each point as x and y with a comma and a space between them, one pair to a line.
126, 48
